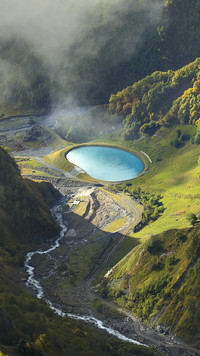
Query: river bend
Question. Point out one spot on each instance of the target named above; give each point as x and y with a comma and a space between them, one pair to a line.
33, 283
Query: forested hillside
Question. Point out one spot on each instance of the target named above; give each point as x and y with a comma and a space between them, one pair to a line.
123, 43
162, 98
25, 84
24, 208
140, 42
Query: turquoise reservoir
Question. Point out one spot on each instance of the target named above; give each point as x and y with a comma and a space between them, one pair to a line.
106, 163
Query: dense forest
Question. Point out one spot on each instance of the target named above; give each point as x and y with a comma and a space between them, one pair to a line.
162, 98
169, 41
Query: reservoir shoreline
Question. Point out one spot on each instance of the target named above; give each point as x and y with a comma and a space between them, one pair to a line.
139, 156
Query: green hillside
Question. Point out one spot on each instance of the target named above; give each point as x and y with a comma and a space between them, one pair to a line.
159, 281
24, 209
160, 99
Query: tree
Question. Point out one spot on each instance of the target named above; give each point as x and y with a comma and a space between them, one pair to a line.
192, 218
197, 138
150, 128
43, 343
178, 132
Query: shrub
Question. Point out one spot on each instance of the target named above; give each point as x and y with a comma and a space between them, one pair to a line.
192, 218
155, 246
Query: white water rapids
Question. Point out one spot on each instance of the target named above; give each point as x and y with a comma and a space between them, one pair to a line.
35, 284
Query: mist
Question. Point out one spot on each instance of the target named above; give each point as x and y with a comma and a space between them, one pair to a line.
52, 26
49, 25
83, 47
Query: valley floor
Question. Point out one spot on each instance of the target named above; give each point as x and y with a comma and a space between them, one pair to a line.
100, 227
97, 223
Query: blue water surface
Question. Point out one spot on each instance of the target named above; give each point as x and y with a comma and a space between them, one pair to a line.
106, 163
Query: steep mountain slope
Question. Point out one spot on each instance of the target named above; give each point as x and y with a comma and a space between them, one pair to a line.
25, 83
139, 41
124, 43
162, 98
159, 281
24, 213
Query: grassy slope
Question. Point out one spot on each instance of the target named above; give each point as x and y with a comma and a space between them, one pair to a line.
159, 281
174, 174
57, 159
33, 167
143, 282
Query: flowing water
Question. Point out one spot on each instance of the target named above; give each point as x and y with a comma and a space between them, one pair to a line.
106, 163
35, 284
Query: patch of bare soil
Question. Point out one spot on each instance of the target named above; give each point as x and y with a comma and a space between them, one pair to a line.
108, 210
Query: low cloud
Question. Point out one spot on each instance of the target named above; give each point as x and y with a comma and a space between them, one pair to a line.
77, 39
53, 26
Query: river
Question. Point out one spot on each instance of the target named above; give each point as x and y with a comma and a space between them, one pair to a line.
35, 284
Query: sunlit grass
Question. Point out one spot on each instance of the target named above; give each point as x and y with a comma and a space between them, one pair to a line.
30, 171
57, 159
31, 166
28, 162
175, 174
115, 225
81, 208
